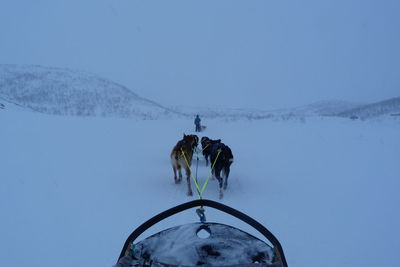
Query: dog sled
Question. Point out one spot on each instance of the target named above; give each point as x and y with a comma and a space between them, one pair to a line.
202, 243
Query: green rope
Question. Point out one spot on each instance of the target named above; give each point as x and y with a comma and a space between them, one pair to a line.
191, 173
201, 151
201, 191
209, 176
204, 148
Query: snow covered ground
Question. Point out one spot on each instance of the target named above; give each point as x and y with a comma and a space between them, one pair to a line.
72, 189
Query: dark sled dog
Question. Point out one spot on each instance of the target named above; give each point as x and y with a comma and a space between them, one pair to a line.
222, 155
206, 144
181, 157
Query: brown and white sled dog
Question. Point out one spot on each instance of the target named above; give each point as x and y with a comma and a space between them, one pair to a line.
181, 157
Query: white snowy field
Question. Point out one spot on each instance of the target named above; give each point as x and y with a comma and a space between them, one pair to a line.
73, 189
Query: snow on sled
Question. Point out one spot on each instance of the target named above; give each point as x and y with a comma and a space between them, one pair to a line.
203, 243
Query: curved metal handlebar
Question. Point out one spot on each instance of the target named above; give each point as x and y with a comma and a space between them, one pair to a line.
209, 203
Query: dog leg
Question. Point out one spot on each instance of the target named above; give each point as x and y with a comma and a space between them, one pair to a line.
189, 192
220, 182
175, 178
180, 174
226, 171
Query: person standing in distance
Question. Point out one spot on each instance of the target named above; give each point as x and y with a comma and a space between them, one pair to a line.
197, 123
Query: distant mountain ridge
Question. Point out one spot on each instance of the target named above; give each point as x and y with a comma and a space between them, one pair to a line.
321, 108
326, 107
59, 91
66, 92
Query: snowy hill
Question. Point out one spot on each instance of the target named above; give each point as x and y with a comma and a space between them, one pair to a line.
321, 108
382, 108
58, 91
325, 108
66, 92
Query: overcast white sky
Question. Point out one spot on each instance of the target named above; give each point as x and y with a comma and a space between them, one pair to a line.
260, 54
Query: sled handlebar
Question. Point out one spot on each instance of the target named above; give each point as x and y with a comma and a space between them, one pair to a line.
209, 203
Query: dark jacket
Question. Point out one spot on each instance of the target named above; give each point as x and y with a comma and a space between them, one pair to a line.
197, 120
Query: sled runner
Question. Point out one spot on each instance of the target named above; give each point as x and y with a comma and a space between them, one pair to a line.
203, 243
